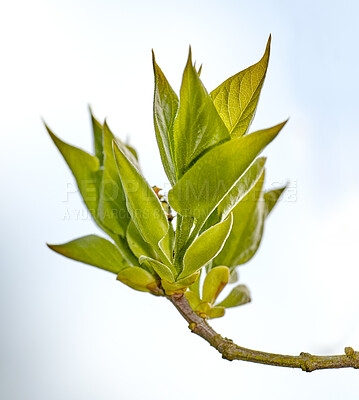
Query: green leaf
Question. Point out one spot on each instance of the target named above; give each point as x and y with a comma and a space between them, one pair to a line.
216, 279
236, 99
248, 218
271, 197
85, 169
216, 312
239, 190
205, 185
143, 204
93, 250
133, 152
193, 299
203, 309
233, 276
183, 231
197, 127
162, 270
165, 106
98, 139
181, 285
242, 187
139, 279
88, 175
206, 247
112, 210
136, 242
195, 286
206, 311
239, 295
166, 245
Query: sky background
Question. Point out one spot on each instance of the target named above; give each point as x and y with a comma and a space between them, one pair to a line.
69, 331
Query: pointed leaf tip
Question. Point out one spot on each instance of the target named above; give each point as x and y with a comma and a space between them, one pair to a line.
189, 55
236, 98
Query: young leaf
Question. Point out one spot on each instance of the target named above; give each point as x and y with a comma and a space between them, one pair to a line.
138, 279
271, 197
181, 285
85, 169
183, 231
253, 235
162, 270
216, 312
192, 298
206, 247
197, 127
216, 279
248, 217
239, 190
236, 99
195, 286
205, 185
165, 106
233, 276
112, 210
203, 309
143, 204
242, 187
136, 242
239, 295
98, 139
93, 250
166, 245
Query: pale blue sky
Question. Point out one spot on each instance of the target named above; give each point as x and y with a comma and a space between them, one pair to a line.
68, 330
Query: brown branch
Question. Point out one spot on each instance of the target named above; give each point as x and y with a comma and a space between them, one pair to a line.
230, 351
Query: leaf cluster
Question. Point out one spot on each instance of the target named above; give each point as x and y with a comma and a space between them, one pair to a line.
218, 195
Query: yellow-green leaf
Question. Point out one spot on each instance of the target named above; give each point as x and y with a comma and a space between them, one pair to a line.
195, 286
236, 99
193, 299
162, 270
112, 210
248, 218
242, 187
139, 279
204, 186
216, 279
165, 106
238, 296
85, 169
233, 276
206, 247
271, 197
97, 135
136, 242
93, 250
143, 204
197, 127
215, 312
181, 285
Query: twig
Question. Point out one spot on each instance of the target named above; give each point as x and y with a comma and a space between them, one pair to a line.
230, 351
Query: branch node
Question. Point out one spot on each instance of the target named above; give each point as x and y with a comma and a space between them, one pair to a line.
192, 326
349, 351
304, 364
217, 340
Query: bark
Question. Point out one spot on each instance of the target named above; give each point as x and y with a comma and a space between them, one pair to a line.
230, 351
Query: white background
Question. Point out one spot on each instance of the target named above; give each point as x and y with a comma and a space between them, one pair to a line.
69, 331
